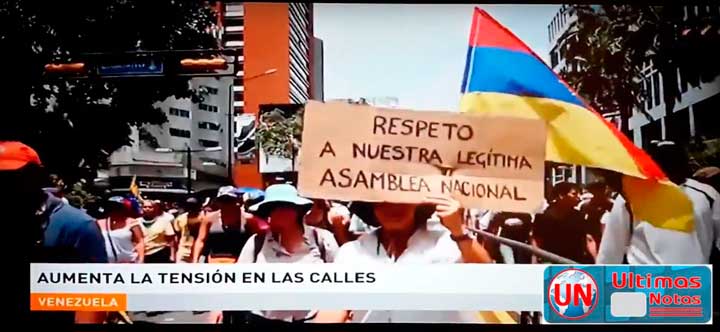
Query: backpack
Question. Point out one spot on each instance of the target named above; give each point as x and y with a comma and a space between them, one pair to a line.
260, 241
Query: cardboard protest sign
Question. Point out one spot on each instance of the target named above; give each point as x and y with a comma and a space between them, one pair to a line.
353, 152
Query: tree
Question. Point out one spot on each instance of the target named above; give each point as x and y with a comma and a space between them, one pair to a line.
279, 135
76, 124
609, 45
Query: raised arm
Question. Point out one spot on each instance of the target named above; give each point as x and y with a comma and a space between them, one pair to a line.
202, 237
138, 239
450, 213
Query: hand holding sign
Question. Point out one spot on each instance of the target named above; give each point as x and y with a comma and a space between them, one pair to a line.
449, 211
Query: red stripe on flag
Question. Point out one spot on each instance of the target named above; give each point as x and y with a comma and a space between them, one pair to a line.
487, 32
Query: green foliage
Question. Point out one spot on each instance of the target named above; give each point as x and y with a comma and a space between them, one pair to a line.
704, 153
610, 45
279, 135
76, 124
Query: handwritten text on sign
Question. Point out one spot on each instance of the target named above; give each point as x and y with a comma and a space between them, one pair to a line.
352, 152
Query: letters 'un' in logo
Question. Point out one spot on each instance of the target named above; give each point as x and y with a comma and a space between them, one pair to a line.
572, 294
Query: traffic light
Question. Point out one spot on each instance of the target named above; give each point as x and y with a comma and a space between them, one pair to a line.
203, 64
77, 67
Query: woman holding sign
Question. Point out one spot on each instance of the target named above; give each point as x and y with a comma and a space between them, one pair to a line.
403, 237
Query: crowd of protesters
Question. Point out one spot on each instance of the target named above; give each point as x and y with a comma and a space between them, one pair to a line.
246, 225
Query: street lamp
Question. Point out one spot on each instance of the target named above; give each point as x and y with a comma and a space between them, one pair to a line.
267, 72
189, 152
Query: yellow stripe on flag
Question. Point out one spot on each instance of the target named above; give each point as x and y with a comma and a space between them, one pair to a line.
578, 136
496, 317
134, 189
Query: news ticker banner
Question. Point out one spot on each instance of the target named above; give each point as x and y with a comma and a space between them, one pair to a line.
565, 294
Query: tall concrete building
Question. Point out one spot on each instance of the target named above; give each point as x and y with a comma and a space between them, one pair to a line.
557, 37
196, 125
278, 68
318, 74
207, 124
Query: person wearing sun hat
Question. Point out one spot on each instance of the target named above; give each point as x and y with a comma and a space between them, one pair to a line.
222, 234
403, 236
288, 240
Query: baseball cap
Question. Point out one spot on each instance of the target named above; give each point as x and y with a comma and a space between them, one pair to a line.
227, 191
14, 155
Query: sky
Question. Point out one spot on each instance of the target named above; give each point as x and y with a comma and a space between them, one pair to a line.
413, 52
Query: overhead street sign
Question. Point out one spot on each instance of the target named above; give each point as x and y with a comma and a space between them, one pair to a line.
142, 67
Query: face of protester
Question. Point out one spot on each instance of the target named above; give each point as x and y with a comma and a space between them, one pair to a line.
317, 213
148, 209
283, 218
599, 191
570, 199
230, 209
394, 216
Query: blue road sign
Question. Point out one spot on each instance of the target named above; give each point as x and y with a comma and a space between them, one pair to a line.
141, 67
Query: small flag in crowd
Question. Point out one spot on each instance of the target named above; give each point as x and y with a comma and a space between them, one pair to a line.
504, 77
134, 189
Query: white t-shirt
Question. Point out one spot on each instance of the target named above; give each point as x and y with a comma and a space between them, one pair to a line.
425, 246
652, 245
273, 252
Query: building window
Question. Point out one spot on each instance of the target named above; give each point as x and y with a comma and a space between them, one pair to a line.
707, 118
209, 89
656, 87
179, 112
553, 59
208, 143
179, 132
650, 132
209, 108
233, 36
677, 126
683, 82
648, 94
238, 109
209, 125
233, 21
238, 96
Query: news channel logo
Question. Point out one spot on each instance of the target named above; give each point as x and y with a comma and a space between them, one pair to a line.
628, 294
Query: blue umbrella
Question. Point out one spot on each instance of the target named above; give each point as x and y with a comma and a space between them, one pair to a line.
249, 190
252, 192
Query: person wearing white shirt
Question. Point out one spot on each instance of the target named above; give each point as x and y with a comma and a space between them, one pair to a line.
640, 242
289, 240
403, 237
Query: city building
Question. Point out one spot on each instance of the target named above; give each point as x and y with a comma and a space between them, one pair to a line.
156, 156
695, 116
318, 74
201, 125
557, 36
279, 67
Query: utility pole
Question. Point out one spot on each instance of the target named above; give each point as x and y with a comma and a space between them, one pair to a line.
231, 132
189, 169
188, 153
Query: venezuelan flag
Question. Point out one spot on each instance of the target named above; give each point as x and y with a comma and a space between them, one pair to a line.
134, 189
503, 77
